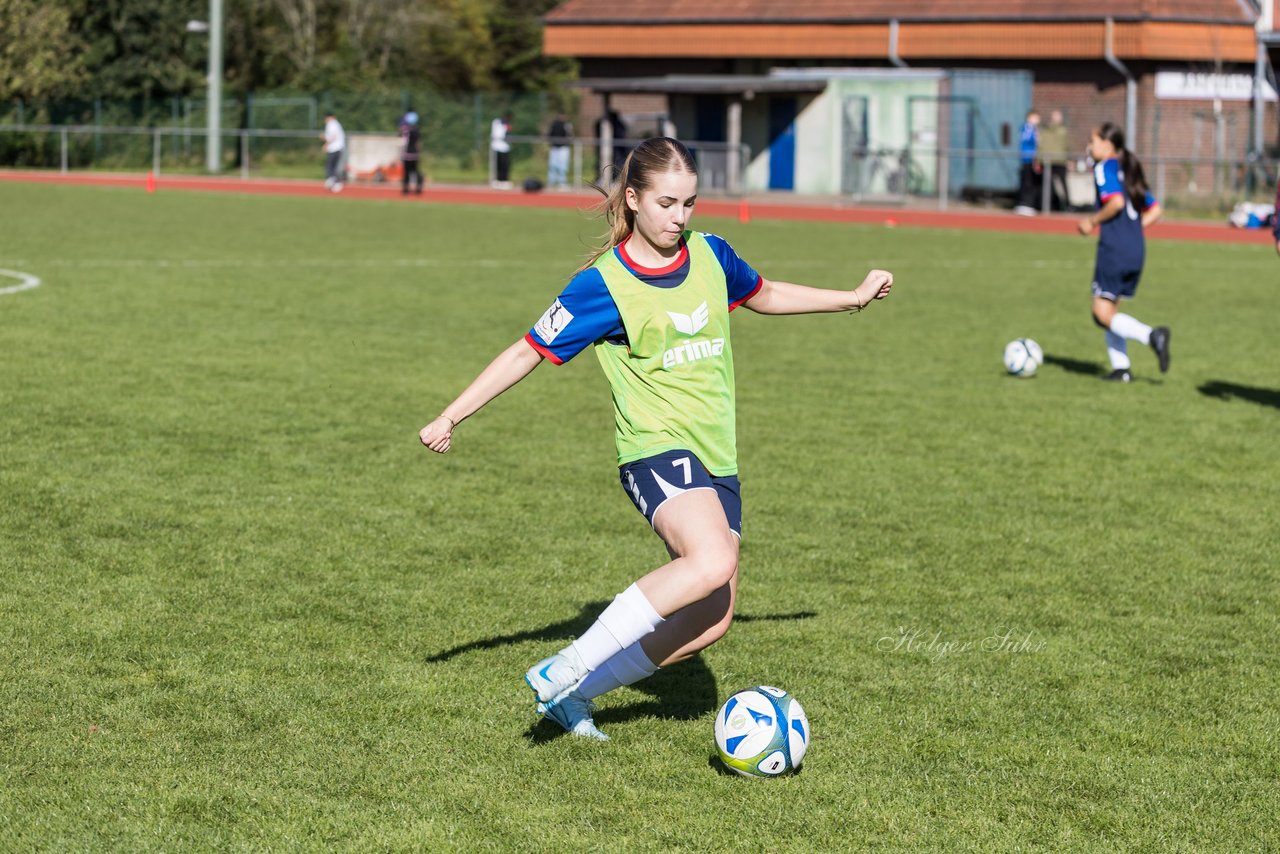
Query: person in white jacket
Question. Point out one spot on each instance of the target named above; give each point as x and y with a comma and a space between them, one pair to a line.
335, 143
501, 151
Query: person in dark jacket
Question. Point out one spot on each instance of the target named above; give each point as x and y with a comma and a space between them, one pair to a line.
410, 149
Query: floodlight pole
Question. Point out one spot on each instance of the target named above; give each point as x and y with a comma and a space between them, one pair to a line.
213, 142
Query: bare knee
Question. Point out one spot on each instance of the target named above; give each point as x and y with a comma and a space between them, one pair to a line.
1103, 311
713, 566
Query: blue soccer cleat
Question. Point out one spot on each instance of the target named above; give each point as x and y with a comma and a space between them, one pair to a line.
573, 712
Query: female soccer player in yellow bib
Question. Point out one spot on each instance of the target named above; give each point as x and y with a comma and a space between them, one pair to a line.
654, 303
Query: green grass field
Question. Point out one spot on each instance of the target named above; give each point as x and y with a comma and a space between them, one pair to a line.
242, 608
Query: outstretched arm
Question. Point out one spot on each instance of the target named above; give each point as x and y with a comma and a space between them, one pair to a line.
787, 298
512, 365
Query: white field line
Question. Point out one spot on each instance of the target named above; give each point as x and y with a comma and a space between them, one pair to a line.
26, 282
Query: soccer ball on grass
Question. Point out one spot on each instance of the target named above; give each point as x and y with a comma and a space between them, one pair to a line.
762, 732
1022, 357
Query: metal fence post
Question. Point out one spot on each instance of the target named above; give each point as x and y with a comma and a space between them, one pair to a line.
1046, 187
944, 176
577, 164
905, 178
244, 154
605, 143
734, 165
155, 152
63, 134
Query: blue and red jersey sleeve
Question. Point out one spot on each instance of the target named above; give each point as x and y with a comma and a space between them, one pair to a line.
1106, 175
1110, 183
582, 315
742, 280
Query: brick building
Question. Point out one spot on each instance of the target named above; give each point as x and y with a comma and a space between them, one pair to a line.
1179, 74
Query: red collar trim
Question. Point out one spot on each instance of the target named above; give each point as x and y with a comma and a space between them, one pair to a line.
653, 271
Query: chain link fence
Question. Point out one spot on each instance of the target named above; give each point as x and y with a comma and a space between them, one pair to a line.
170, 138
280, 128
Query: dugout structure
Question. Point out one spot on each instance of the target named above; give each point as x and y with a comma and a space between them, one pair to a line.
870, 133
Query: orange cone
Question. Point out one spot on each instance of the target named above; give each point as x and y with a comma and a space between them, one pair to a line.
151, 182
744, 211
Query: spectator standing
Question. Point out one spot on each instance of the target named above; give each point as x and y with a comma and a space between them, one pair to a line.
335, 144
1029, 178
559, 135
410, 145
501, 149
620, 148
1054, 151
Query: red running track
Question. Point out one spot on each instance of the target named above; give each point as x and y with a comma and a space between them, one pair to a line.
979, 220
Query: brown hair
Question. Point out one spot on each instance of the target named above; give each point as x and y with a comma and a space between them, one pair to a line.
652, 157
1135, 180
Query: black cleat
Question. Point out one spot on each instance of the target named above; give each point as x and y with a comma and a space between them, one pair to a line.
1160, 343
1119, 375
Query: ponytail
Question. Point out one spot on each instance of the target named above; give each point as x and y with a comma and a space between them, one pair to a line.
1135, 180
653, 156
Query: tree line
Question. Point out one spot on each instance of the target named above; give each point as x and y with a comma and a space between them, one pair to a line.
142, 49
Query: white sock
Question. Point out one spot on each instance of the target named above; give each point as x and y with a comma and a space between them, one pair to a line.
628, 618
626, 668
1117, 351
1130, 327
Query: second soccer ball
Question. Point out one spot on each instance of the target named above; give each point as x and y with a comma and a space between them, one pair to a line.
1022, 357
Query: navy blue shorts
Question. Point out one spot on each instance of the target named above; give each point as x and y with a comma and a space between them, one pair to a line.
1115, 285
653, 481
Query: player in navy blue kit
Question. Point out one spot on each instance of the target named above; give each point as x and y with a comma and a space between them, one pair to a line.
1125, 208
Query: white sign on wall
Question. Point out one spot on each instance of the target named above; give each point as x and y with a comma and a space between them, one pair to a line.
1194, 86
